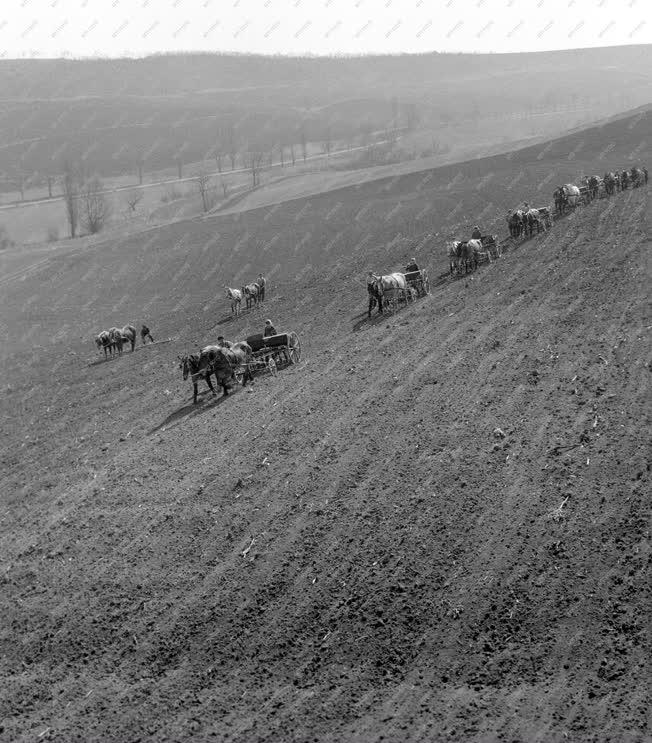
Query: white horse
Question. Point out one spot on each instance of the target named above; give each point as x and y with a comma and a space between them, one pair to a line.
391, 287
235, 295
572, 194
104, 341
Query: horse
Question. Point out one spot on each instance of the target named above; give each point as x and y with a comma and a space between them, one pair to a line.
533, 217
609, 181
464, 253
244, 354
104, 341
125, 335
235, 295
572, 195
471, 250
251, 293
515, 223
545, 216
454, 254
636, 177
594, 186
393, 285
560, 200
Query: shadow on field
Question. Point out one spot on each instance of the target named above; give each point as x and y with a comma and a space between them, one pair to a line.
191, 410
369, 322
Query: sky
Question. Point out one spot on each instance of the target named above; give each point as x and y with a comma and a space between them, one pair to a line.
114, 28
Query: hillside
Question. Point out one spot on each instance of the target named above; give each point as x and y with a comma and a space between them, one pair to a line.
116, 114
349, 551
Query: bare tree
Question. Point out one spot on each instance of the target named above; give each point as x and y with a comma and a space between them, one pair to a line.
225, 188
140, 173
232, 144
328, 141
70, 189
292, 153
303, 141
94, 205
218, 161
411, 115
50, 180
254, 163
133, 197
203, 185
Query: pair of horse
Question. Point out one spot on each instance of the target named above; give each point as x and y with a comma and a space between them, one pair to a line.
593, 184
218, 361
390, 288
464, 253
524, 221
611, 182
252, 293
113, 340
566, 197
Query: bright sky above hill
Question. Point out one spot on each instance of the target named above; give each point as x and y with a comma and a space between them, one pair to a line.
110, 28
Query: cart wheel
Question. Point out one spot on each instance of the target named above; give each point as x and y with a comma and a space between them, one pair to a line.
294, 348
271, 366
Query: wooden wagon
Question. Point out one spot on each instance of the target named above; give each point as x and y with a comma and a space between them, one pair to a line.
272, 352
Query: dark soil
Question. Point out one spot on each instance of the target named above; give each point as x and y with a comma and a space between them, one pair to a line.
433, 528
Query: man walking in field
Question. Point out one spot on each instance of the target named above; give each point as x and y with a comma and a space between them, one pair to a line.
261, 284
145, 334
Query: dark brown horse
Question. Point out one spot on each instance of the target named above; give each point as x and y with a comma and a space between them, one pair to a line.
123, 336
220, 362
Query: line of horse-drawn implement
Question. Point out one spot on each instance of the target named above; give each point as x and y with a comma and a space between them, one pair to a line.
390, 291
237, 363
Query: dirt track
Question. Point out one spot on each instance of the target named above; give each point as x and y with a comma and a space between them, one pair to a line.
349, 551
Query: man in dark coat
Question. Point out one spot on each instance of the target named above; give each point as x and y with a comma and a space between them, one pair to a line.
261, 287
476, 234
269, 329
412, 266
144, 334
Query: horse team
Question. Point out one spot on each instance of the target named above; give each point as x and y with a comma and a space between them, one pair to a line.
252, 294
218, 361
113, 340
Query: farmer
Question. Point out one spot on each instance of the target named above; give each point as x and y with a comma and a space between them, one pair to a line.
261, 284
476, 234
144, 334
269, 329
412, 266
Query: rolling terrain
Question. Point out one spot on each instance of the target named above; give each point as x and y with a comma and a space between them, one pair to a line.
163, 110
433, 528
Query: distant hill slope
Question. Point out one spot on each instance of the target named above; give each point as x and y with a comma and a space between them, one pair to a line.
160, 110
617, 142
433, 528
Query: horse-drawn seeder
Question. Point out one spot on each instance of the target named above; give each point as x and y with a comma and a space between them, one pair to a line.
418, 280
270, 353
